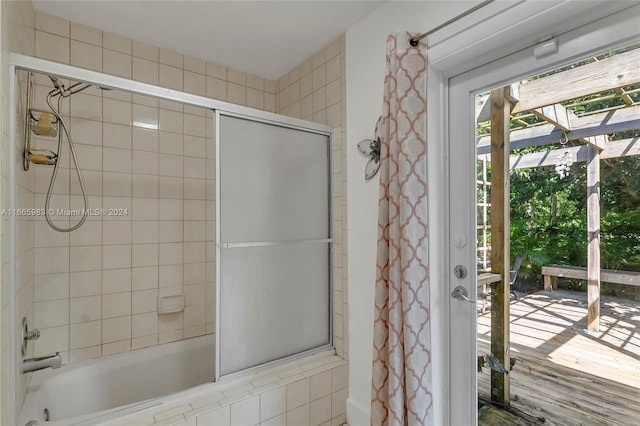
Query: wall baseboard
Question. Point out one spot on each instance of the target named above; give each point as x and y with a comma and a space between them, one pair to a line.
357, 415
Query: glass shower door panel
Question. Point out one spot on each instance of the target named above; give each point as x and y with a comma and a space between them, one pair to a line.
274, 303
273, 242
274, 182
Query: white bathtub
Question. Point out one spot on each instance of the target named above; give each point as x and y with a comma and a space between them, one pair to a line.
94, 386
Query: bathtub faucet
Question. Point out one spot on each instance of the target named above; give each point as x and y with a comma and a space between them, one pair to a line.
33, 364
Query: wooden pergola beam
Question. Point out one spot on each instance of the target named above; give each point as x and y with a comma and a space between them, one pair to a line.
579, 154
608, 74
561, 118
619, 120
500, 234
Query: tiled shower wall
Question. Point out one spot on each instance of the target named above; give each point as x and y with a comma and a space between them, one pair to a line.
315, 90
95, 290
17, 35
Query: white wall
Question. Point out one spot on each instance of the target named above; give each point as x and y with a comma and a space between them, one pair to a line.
366, 46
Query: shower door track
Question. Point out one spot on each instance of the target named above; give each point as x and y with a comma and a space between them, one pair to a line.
273, 243
28, 63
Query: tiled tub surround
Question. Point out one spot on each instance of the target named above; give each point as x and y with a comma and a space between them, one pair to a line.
96, 288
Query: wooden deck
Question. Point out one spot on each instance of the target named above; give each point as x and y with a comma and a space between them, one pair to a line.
564, 373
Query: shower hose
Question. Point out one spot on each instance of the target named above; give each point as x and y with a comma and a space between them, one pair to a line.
85, 211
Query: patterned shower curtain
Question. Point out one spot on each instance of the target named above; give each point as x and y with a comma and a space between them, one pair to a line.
401, 392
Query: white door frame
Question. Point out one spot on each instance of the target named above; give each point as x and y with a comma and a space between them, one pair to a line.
493, 47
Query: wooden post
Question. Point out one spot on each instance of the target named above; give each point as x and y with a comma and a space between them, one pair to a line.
593, 242
500, 228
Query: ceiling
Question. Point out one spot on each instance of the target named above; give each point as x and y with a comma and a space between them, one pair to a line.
266, 38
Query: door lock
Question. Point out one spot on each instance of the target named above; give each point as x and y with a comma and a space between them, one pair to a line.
460, 272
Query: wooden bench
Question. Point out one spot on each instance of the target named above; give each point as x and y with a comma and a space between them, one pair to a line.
551, 274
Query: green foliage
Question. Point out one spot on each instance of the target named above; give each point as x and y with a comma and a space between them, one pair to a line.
549, 216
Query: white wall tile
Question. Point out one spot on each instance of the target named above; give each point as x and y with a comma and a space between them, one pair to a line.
52, 313
52, 339
246, 412
86, 106
116, 184
85, 283
116, 160
145, 163
170, 143
144, 50
194, 64
145, 231
86, 34
116, 42
144, 278
171, 57
86, 258
171, 275
145, 116
144, 324
87, 132
144, 301
117, 112
116, 256
116, 329
51, 260
144, 71
273, 403
171, 121
145, 139
116, 232
171, 77
85, 55
216, 89
194, 83
298, 416
144, 254
298, 393
116, 280
116, 136
320, 411
219, 417
145, 208
85, 334
85, 309
52, 47
52, 24
116, 305
89, 234
116, 347
51, 287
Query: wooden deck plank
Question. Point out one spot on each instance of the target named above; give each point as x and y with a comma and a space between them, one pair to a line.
568, 375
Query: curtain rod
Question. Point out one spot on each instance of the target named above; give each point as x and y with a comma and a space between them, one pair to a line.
413, 41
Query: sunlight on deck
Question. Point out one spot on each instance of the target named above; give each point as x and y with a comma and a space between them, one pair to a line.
565, 373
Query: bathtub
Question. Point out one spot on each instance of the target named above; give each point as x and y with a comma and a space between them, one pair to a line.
118, 383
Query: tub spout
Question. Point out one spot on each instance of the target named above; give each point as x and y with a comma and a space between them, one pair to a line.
33, 364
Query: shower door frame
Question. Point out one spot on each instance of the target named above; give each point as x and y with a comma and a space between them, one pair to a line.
28, 63
219, 244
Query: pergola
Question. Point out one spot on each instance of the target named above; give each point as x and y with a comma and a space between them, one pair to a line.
541, 112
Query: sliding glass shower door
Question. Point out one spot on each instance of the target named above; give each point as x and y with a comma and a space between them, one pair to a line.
273, 242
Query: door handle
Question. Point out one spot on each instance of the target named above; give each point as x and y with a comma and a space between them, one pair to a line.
461, 293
